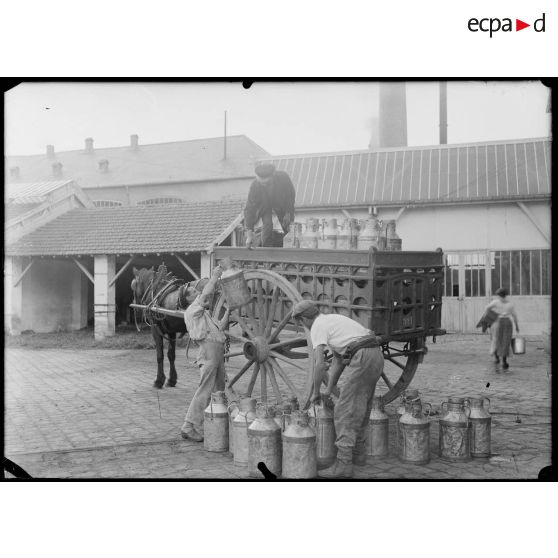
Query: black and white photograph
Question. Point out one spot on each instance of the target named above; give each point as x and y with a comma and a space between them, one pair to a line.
273, 280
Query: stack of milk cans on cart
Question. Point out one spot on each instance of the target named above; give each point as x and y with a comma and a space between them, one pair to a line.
291, 443
350, 234
464, 429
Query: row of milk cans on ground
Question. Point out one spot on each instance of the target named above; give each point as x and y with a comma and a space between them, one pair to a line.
291, 443
465, 429
351, 234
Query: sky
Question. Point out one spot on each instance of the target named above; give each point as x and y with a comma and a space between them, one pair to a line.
284, 118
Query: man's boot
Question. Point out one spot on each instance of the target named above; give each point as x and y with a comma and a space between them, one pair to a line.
342, 468
359, 455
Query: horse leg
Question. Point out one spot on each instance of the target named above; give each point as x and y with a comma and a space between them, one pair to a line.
158, 338
171, 382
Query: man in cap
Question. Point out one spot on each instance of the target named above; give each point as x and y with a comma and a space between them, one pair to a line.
210, 338
360, 375
272, 191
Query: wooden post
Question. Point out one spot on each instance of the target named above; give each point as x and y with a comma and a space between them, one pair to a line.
205, 264
104, 297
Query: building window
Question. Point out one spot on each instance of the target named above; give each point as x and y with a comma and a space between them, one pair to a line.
160, 201
451, 274
106, 203
522, 272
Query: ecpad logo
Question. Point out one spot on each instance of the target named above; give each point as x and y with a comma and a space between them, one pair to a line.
494, 24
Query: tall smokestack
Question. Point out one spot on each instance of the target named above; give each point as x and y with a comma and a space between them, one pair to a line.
443, 112
393, 115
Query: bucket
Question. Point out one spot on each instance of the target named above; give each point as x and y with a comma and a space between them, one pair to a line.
518, 345
235, 287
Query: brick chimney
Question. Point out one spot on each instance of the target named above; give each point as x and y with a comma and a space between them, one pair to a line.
57, 168
103, 165
89, 145
134, 139
14, 172
50, 151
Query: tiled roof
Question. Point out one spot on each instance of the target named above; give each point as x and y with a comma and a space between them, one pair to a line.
442, 173
31, 192
181, 161
130, 230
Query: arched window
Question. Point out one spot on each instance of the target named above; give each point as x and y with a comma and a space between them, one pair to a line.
106, 203
160, 201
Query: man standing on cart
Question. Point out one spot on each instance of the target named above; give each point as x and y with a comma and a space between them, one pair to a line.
272, 191
358, 357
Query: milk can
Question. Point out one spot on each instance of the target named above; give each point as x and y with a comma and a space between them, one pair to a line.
406, 400
377, 441
234, 285
309, 238
328, 238
344, 236
382, 240
454, 430
233, 409
321, 418
292, 238
299, 448
479, 425
415, 435
241, 423
392, 240
264, 442
216, 423
368, 236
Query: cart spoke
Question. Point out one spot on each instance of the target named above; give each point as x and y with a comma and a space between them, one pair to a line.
228, 333
263, 378
253, 380
277, 367
294, 342
394, 361
285, 359
261, 306
281, 325
234, 354
386, 380
239, 374
252, 319
242, 323
272, 309
274, 383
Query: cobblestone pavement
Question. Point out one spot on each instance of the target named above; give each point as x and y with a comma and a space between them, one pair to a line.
94, 414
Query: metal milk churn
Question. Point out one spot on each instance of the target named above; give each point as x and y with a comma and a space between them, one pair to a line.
264, 442
355, 229
321, 418
328, 238
382, 240
216, 423
406, 400
415, 435
309, 238
292, 238
377, 441
234, 285
454, 430
344, 236
299, 448
241, 423
368, 235
479, 425
392, 240
233, 409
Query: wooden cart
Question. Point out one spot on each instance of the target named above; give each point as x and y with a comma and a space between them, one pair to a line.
396, 294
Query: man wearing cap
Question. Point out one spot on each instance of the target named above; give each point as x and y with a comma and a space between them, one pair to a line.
272, 191
209, 335
360, 375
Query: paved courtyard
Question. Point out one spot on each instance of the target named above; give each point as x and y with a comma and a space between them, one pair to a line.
94, 414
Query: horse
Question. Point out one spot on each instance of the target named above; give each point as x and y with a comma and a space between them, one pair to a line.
162, 289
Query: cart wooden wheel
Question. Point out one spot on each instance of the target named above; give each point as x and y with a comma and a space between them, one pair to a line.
266, 342
401, 360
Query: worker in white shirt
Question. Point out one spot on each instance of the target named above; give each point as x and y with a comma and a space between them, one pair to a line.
209, 336
346, 338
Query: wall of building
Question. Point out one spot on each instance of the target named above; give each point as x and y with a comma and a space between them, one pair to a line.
190, 192
54, 297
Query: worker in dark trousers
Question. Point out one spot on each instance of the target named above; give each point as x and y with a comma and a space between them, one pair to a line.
344, 336
272, 191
